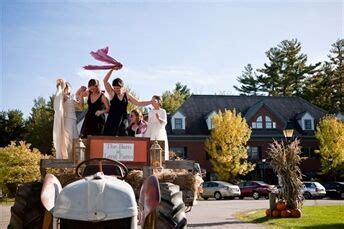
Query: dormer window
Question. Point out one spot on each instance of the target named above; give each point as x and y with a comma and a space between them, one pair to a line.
178, 121
305, 120
308, 124
258, 124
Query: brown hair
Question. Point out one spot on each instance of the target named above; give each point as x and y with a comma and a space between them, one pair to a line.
137, 113
159, 99
117, 82
93, 82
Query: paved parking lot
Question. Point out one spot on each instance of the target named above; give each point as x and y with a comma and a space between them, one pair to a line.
211, 213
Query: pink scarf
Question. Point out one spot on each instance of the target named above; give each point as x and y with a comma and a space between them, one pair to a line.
102, 55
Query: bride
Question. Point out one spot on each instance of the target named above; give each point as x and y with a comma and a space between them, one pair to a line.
64, 130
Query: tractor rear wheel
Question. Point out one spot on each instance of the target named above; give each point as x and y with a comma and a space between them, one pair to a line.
28, 210
171, 210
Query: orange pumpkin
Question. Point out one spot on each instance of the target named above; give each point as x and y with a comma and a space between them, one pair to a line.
281, 205
268, 212
276, 213
295, 213
285, 213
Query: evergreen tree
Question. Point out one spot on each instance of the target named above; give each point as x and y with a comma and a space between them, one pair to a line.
287, 70
337, 62
249, 84
227, 145
40, 125
318, 89
270, 80
183, 90
326, 87
12, 126
173, 100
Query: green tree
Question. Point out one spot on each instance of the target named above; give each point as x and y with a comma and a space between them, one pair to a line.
40, 125
326, 87
330, 134
227, 145
173, 100
249, 84
12, 126
183, 90
18, 164
287, 70
337, 63
318, 89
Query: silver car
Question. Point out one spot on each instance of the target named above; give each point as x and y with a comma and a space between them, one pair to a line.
313, 189
219, 190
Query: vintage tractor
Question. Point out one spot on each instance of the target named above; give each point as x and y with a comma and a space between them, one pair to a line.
100, 197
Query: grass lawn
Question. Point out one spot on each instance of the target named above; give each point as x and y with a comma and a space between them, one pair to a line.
312, 217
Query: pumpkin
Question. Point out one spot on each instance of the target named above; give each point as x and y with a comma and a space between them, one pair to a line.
285, 213
276, 213
281, 205
295, 213
268, 212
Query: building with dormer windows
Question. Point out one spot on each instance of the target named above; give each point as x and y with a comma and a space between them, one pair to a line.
268, 116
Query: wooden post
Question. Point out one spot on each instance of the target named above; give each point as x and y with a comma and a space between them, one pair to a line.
272, 201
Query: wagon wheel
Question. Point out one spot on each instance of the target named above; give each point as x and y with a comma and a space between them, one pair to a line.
123, 168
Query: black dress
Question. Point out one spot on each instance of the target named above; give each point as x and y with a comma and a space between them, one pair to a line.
117, 120
93, 124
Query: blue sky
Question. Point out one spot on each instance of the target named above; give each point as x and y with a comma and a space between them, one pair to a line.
202, 44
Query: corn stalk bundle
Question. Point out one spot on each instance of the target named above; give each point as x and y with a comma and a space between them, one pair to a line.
285, 161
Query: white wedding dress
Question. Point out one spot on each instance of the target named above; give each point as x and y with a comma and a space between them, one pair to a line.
156, 130
64, 130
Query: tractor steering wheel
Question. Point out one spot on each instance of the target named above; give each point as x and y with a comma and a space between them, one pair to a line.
122, 167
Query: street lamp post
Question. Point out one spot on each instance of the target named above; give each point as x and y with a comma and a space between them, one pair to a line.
263, 163
331, 170
288, 131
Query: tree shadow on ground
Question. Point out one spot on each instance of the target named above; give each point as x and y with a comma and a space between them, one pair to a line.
326, 226
223, 223
319, 226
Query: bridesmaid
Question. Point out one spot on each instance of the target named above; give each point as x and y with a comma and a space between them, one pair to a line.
98, 105
117, 120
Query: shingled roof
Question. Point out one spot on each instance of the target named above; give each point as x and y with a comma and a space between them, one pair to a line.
197, 107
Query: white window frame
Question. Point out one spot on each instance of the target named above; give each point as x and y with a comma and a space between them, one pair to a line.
258, 124
181, 123
178, 115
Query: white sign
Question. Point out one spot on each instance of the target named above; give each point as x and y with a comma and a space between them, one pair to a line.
119, 151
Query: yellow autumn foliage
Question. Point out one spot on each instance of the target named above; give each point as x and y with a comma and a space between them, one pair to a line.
18, 164
227, 145
330, 134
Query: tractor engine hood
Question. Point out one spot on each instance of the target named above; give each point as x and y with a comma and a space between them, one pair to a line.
96, 198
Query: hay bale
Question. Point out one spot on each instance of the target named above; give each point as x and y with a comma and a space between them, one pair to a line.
188, 182
135, 179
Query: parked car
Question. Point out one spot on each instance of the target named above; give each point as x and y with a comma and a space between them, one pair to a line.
334, 189
256, 189
313, 189
219, 190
